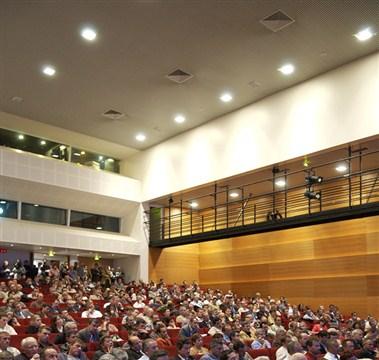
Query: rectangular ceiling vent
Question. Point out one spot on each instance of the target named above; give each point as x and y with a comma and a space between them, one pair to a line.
277, 21
113, 114
179, 76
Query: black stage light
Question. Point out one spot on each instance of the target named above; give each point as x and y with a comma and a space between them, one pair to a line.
312, 195
313, 179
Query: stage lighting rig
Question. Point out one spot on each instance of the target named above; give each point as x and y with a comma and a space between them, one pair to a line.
312, 195
313, 179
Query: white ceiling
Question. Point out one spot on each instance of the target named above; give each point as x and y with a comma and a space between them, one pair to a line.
222, 43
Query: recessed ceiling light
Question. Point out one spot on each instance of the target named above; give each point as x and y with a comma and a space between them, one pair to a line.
234, 194
101, 158
226, 97
140, 137
364, 34
62, 147
20, 137
42, 142
49, 70
76, 154
280, 182
341, 167
194, 204
287, 69
88, 33
36, 205
180, 119
99, 228
110, 160
3, 202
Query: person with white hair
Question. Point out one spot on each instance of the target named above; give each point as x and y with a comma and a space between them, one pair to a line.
29, 349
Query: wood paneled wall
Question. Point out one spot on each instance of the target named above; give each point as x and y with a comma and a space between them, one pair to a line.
174, 264
321, 264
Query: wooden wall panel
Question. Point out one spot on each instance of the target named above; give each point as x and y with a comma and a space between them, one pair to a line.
174, 264
321, 264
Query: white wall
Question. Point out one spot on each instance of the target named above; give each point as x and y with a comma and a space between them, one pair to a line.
335, 108
30, 178
40, 169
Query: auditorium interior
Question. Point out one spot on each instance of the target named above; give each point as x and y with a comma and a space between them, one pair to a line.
234, 144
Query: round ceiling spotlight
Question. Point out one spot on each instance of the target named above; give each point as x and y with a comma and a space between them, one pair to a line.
226, 97
88, 34
140, 137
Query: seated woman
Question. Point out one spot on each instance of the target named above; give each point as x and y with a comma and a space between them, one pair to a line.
106, 325
57, 324
197, 348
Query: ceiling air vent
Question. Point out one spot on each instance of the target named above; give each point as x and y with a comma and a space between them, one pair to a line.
179, 76
113, 114
277, 21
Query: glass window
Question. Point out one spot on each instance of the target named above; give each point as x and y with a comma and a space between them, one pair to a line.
33, 144
8, 209
96, 161
45, 214
21, 141
93, 221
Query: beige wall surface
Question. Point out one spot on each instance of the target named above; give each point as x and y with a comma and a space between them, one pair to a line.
331, 109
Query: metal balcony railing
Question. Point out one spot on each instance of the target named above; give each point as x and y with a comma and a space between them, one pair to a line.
357, 188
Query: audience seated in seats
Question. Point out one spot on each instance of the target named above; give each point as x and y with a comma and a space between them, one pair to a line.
43, 338
75, 352
29, 349
313, 348
90, 333
260, 342
91, 312
229, 354
240, 348
4, 326
332, 348
183, 347
106, 347
189, 328
49, 353
135, 348
215, 350
163, 339
149, 346
6, 355
165, 314
69, 327
197, 348
34, 324
5, 340
159, 355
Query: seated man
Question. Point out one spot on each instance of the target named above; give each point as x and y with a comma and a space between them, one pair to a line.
34, 324
260, 342
29, 349
4, 325
215, 350
90, 333
5, 340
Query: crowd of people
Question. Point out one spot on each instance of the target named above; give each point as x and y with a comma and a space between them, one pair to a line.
70, 312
